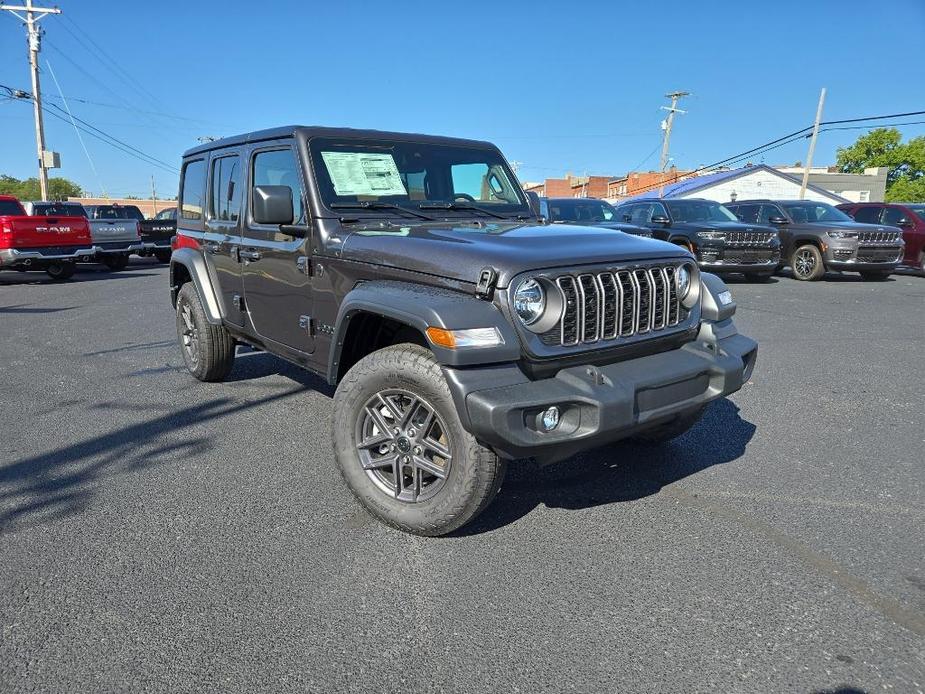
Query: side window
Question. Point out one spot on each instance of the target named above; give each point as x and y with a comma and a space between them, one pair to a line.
192, 193
278, 167
767, 212
746, 213
658, 210
868, 215
225, 205
893, 216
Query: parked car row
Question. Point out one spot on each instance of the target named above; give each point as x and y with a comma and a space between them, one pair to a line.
54, 235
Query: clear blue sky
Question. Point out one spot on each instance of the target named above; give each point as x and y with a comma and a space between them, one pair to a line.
558, 90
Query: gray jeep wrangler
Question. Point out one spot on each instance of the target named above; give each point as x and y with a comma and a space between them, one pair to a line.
460, 330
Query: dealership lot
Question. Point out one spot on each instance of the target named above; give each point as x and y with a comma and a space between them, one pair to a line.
162, 534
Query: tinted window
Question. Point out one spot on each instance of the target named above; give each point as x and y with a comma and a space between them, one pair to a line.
53, 210
808, 212
699, 211
192, 194
893, 216
11, 208
868, 215
919, 210
768, 212
169, 213
746, 213
587, 211
115, 212
278, 167
226, 189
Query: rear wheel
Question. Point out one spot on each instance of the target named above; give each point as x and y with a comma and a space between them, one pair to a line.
878, 276
922, 261
163, 256
402, 449
671, 429
60, 271
208, 350
115, 262
807, 264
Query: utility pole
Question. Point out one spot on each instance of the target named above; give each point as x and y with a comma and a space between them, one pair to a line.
812, 145
666, 137
31, 20
153, 197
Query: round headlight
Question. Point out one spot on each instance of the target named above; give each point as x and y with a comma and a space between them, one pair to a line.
684, 282
529, 301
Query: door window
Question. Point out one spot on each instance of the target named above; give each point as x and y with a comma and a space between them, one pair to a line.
767, 212
868, 215
226, 189
893, 216
278, 167
746, 213
192, 190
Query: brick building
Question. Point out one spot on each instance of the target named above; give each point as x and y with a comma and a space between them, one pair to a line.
571, 187
637, 182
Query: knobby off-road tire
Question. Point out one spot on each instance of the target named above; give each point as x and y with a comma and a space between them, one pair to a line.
807, 264
60, 271
163, 256
394, 406
115, 262
208, 350
671, 429
875, 276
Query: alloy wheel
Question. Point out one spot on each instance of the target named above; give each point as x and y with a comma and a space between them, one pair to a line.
189, 334
403, 445
804, 263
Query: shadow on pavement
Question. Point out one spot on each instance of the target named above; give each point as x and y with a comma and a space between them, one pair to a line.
21, 278
62, 482
624, 471
20, 309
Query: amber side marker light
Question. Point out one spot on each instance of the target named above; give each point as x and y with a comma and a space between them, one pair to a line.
470, 337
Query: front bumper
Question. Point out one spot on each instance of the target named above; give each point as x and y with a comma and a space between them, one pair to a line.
861, 259
27, 257
718, 257
602, 404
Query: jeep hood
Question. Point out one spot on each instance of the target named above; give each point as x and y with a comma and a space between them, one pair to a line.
460, 250
849, 226
723, 226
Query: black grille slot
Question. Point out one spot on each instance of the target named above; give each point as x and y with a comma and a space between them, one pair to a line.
644, 310
610, 301
658, 298
628, 298
591, 303
569, 289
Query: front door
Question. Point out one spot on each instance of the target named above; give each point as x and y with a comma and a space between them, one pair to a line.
277, 286
222, 240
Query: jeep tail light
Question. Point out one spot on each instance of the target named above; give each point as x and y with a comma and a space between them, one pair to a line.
181, 241
138, 229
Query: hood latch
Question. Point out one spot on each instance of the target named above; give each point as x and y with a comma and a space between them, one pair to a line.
485, 287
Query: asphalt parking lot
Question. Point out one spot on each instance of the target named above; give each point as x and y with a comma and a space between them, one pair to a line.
159, 534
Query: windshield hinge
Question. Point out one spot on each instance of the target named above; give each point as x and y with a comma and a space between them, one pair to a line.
486, 284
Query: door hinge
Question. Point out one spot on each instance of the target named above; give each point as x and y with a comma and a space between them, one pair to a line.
486, 284
238, 302
304, 264
305, 323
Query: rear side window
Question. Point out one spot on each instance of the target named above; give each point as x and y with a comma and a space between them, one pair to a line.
893, 216
226, 189
278, 167
11, 208
868, 215
192, 193
53, 210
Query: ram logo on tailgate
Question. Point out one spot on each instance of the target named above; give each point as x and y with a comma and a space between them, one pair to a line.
53, 230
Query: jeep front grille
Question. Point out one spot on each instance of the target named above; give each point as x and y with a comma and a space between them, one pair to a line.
605, 306
866, 237
749, 238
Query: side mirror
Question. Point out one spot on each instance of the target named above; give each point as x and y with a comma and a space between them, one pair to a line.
904, 222
534, 199
272, 205
661, 219
778, 220
627, 217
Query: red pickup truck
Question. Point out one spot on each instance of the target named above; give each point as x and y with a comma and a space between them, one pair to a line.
52, 244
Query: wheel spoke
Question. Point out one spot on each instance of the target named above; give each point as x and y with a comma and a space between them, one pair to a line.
374, 440
187, 318
422, 463
379, 421
390, 406
437, 448
409, 413
375, 463
425, 425
399, 476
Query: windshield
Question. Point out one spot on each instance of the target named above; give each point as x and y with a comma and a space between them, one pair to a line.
810, 212
169, 213
53, 210
385, 177
918, 209
581, 210
117, 212
699, 211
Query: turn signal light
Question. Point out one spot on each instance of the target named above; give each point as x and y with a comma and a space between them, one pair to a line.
470, 337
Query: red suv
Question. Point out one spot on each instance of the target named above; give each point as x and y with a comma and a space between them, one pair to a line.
908, 216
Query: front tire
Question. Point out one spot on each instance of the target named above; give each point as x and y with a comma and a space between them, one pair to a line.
60, 271
402, 449
115, 262
671, 429
807, 264
208, 350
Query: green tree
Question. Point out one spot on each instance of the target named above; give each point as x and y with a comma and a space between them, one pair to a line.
905, 161
28, 189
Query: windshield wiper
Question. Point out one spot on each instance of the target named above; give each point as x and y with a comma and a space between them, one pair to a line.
459, 206
376, 205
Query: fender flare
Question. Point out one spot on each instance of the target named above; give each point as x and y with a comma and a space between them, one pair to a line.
195, 266
420, 307
682, 238
711, 307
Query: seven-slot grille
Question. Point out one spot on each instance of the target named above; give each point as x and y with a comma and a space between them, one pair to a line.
749, 238
878, 237
609, 305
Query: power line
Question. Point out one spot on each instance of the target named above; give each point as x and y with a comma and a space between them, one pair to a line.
858, 120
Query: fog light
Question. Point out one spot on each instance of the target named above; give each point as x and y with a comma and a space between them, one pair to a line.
550, 418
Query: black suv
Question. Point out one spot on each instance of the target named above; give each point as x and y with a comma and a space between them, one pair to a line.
712, 233
460, 330
588, 212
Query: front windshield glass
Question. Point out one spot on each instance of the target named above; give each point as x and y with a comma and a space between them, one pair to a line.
53, 210
918, 209
699, 211
809, 212
380, 174
117, 212
581, 211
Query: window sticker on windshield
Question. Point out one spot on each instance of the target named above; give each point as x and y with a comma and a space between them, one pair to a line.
363, 173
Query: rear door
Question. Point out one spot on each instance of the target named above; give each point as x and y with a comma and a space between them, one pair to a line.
277, 286
222, 240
